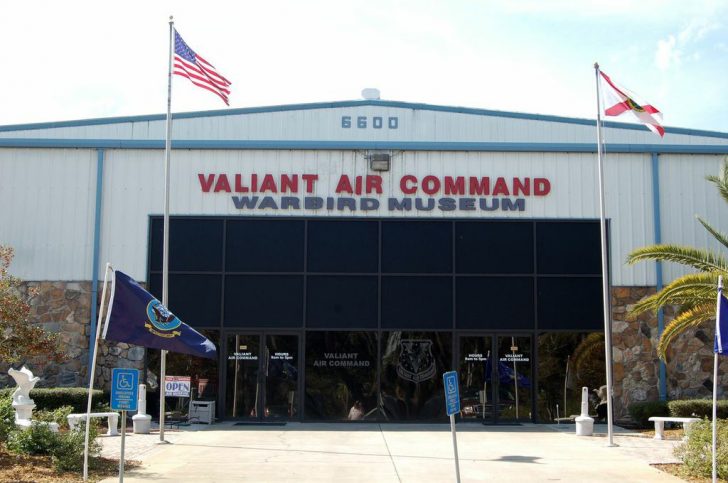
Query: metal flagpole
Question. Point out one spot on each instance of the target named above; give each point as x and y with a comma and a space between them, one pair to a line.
605, 269
165, 249
715, 385
93, 370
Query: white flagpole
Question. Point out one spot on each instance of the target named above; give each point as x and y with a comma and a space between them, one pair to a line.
165, 249
715, 382
93, 371
605, 269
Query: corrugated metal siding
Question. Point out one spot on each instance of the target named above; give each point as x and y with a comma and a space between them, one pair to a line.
685, 195
133, 181
47, 200
325, 125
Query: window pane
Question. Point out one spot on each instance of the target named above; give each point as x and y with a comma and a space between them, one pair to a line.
341, 376
495, 303
569, 361
569, 247
264, 246
411, 378
339, 302
416, 247
343, 246
263, 301
417, 302
195, 245
494, 247
570, 303
195, 299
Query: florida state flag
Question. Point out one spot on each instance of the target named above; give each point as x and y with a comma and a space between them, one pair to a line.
618, 101
136, 317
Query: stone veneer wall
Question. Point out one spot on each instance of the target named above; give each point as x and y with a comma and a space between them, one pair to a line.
636, 366
65, 308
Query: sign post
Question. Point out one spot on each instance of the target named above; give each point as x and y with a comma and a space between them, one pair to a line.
124, 395
452, 402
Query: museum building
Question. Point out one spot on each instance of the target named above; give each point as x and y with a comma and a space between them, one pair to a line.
344, 255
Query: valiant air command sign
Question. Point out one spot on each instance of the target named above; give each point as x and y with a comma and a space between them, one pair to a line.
269, 192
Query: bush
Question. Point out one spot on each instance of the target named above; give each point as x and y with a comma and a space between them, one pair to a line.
68, 454
7, 417
59, 416
38, 439
695, 452
697, 408
640, 412
49, 399
65, 449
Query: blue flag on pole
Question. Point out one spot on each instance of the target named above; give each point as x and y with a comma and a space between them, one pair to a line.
721, 325
136, 317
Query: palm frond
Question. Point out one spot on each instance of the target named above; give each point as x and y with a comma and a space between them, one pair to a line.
702, 260
685, 320
721, 182
718, 235
687, 291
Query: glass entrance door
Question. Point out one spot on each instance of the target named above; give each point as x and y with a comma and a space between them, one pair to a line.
495, 378
262, 376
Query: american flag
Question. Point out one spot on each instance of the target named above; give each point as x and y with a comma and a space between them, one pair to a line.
200, 72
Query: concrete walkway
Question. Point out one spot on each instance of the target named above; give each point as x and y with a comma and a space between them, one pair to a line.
308, 452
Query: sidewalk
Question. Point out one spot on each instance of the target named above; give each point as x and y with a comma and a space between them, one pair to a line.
313, 452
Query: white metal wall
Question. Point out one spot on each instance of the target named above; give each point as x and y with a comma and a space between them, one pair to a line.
47, 200
133, 190
325, 125
686, 194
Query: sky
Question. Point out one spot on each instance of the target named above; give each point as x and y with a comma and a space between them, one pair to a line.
89, 59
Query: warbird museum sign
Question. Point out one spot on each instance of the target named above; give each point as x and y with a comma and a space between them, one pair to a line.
275, 192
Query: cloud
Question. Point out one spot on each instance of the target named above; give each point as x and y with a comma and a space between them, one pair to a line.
685, 44
667, 53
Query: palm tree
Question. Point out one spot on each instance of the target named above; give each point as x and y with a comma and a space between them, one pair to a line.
693, 294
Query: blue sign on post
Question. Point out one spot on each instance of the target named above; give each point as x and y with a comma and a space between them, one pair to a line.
452, 393
124, 389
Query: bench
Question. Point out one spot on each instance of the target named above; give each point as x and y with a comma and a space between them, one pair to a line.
112, 422
661, 420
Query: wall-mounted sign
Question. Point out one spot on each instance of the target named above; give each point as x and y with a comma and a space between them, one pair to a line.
254, 191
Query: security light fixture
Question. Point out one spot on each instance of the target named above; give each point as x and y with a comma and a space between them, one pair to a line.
379, 161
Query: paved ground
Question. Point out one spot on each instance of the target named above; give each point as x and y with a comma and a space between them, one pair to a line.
390, 453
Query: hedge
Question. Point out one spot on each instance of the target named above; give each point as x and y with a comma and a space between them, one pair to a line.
698, 408
52, 398
642, 411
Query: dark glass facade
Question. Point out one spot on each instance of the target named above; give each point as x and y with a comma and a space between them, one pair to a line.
357, 319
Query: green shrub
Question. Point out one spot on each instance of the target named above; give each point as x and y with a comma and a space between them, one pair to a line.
68, 453
642, 411
697, 408
38, 439
59, 416
65, 449
49, 399
7, 417
695, 452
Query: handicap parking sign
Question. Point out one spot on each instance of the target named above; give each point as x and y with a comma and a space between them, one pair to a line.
452, 393
124, 389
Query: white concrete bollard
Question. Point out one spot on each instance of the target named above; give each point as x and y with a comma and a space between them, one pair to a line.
584, 423
141, 420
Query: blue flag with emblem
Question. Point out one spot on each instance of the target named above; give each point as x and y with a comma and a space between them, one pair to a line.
721, 325
136, 317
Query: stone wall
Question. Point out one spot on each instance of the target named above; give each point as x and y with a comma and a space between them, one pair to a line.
64, 308
689, 368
